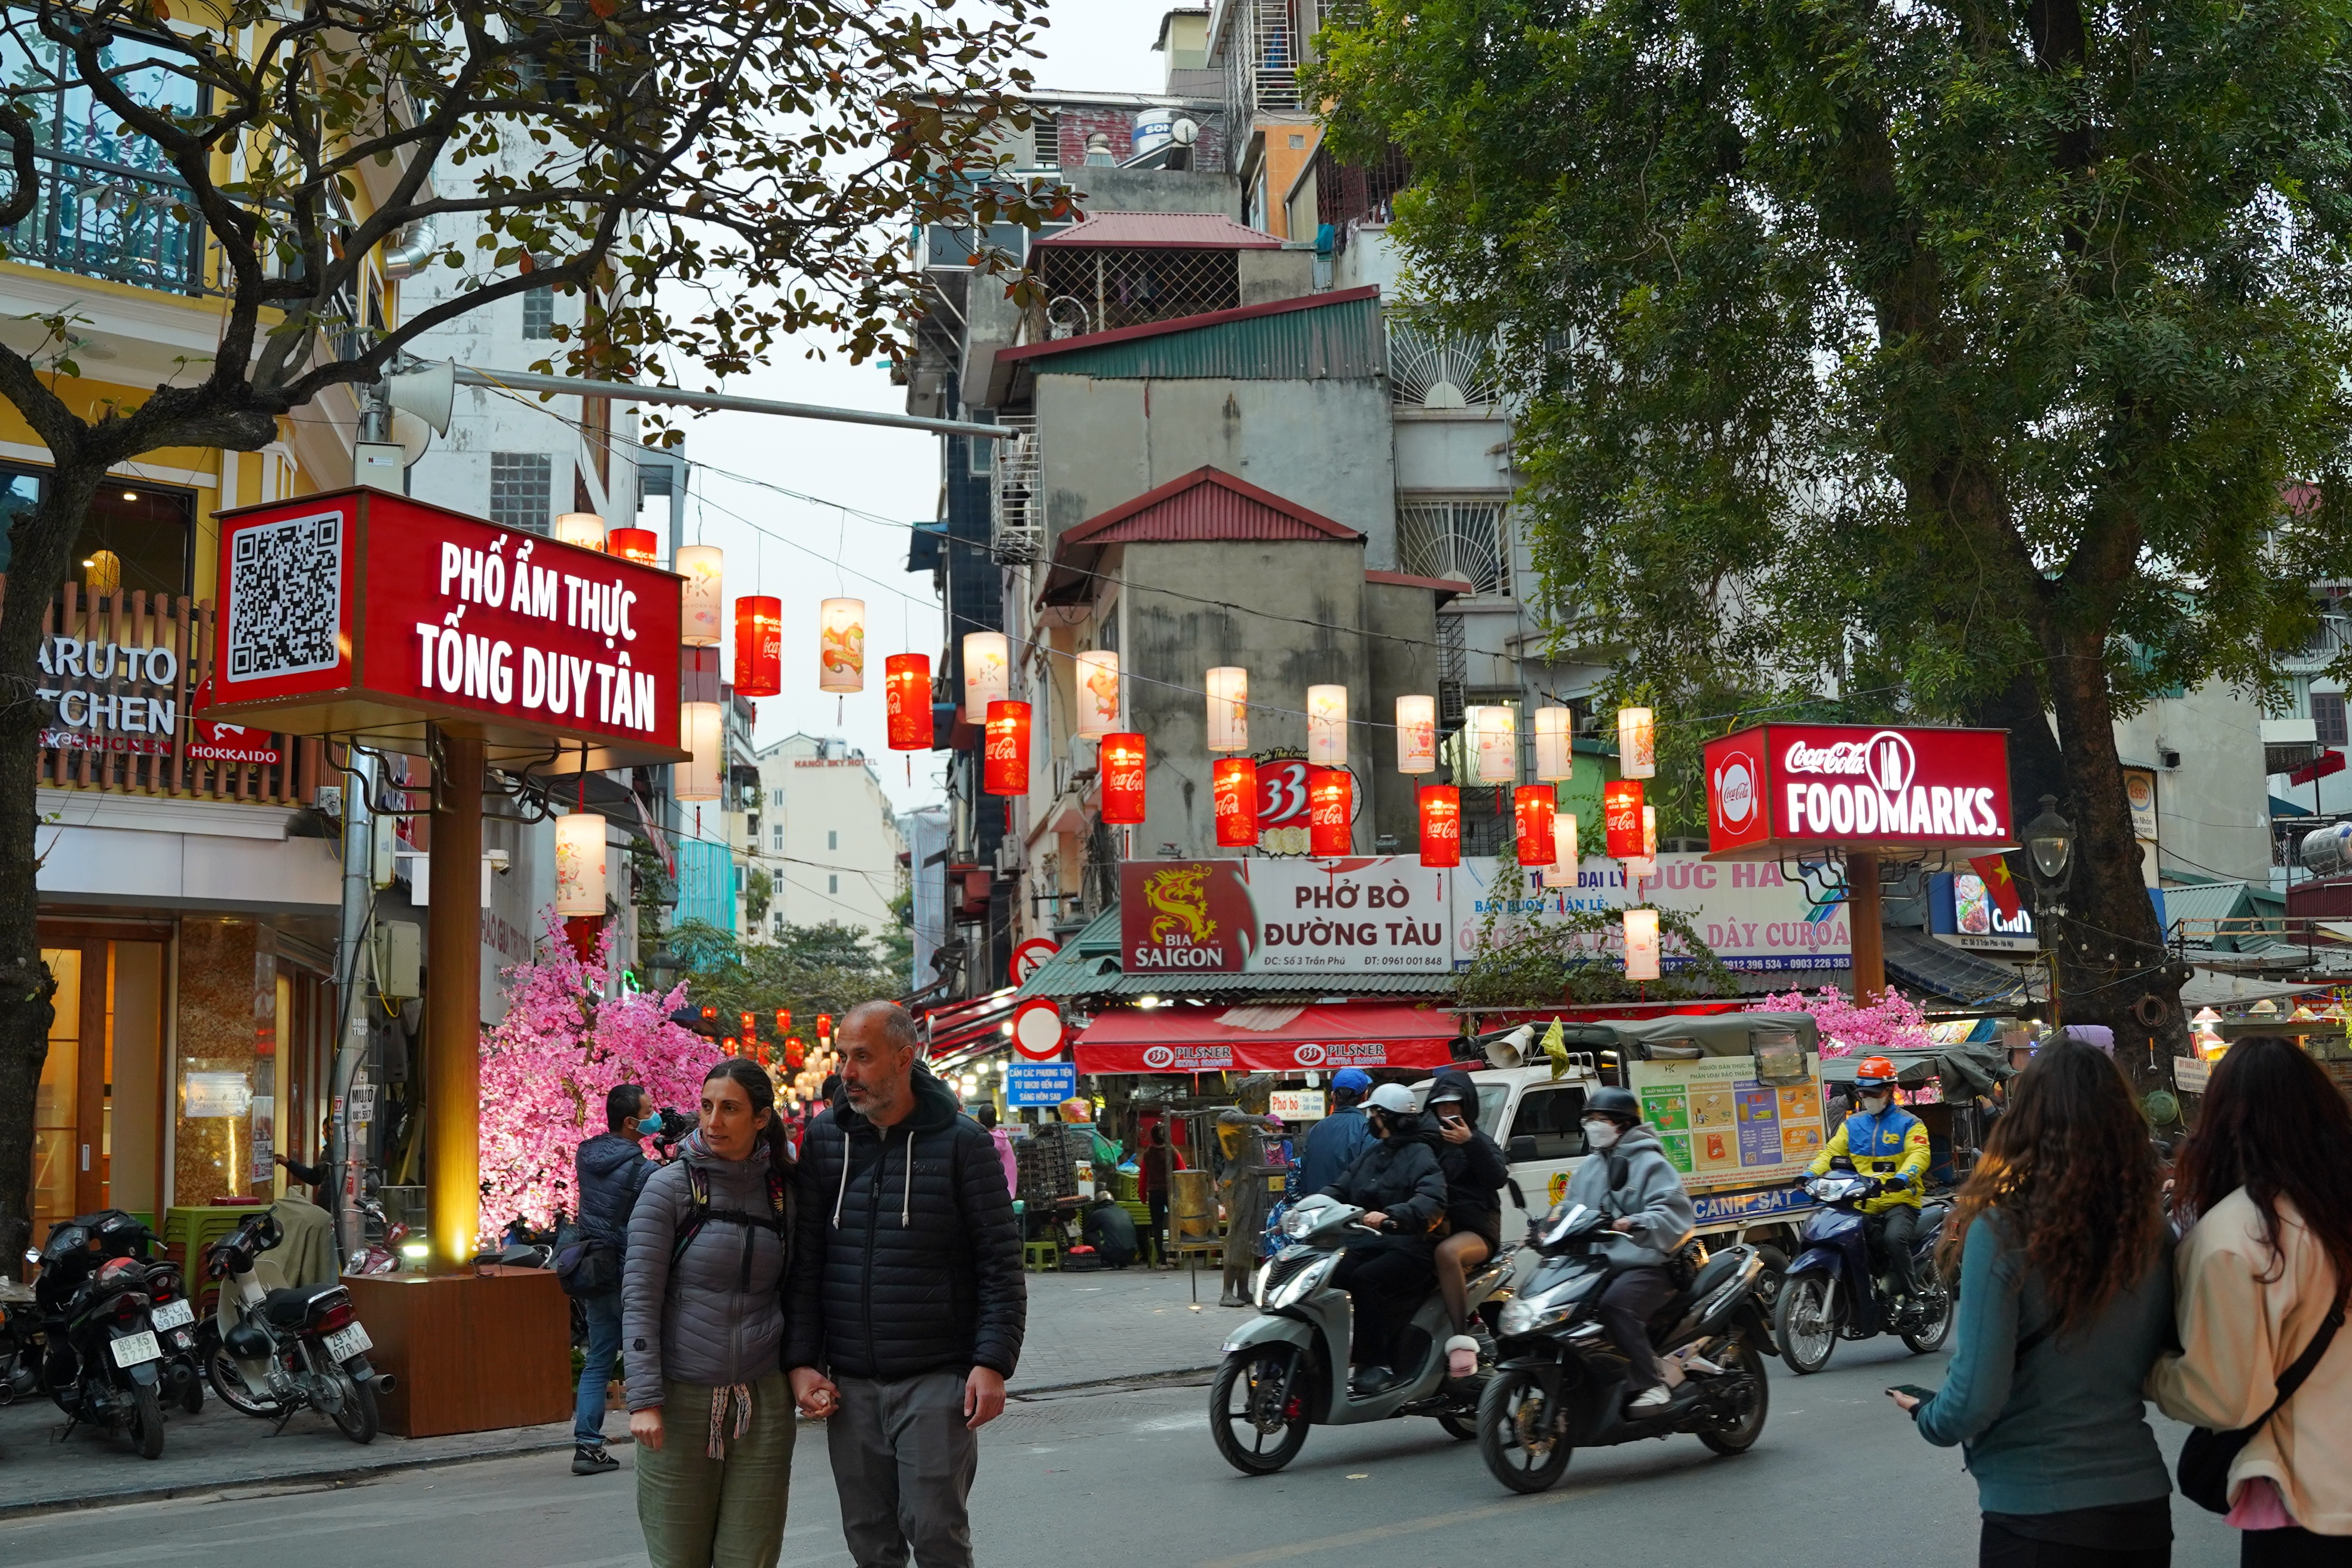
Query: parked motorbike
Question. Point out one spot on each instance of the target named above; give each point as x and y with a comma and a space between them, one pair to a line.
20, 1340
380, 1253
1287, 1369
1832, 1291
279, 1349
101, 1362
1560, 1384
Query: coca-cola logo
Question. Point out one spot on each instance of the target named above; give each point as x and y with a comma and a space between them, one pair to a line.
1885, 759
1735, 789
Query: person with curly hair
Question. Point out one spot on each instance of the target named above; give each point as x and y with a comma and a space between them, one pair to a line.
2260, 1277
2066, 1301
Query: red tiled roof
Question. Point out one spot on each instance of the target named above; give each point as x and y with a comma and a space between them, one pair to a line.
1207, 503
1161, 231
1436, 585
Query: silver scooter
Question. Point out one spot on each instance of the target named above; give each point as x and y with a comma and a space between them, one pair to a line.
1287, 1369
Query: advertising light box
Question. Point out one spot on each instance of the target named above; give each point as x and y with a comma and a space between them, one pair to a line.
370, 614
1789, 790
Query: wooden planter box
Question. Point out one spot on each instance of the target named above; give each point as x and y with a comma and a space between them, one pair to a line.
468, 1353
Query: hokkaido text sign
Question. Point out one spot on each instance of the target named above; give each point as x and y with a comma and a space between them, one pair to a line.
1784, 787
1205, 917
358, 609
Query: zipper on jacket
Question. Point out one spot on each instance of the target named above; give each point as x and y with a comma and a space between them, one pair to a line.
873, 1227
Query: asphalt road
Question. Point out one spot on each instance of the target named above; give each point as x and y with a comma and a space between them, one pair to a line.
1126, 1476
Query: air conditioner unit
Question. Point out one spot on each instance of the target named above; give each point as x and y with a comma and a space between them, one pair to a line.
1064, 775
1008, 858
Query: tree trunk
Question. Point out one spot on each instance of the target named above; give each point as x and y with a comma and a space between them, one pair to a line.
41, 547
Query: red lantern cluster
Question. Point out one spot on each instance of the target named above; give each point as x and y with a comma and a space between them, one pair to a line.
1235, 784
1330, 812
642, 545
1122, 759
907, 687
1621, 814
1004, 768
1533, 807
759, 646
1441, 826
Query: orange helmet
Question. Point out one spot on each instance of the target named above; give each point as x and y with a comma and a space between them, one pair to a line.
1875, 1072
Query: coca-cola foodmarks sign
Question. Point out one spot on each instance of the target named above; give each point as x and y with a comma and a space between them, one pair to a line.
1784, 787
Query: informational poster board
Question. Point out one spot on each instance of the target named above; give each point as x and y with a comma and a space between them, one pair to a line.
1721, 1126
1031, 1084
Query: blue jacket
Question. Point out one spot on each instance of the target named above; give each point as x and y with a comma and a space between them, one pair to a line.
1332, 1146
612, 1171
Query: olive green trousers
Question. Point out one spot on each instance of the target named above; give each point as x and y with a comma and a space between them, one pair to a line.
701, 1512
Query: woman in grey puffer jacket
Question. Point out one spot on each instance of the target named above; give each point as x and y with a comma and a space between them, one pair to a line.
701, 1327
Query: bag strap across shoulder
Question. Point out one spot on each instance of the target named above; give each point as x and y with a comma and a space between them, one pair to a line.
2304, 1365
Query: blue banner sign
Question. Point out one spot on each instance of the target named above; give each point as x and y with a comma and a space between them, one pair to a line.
1039, 1083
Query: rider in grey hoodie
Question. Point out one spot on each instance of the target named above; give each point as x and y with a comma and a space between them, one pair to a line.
1626, 1173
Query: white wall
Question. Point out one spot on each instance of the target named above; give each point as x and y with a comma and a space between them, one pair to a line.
2212, 811
826, 832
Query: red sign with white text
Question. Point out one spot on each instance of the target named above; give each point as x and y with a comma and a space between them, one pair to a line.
365, 613
1782, 788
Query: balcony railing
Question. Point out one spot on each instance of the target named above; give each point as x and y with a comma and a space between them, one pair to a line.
109, 220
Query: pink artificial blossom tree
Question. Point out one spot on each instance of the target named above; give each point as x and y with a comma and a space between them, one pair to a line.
1890, 1023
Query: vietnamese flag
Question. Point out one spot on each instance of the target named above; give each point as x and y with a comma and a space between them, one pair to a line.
1994, 870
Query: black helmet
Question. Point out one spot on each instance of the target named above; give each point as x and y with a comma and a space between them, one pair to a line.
1617, 1104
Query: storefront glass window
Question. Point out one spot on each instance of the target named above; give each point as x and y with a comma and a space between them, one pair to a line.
135, 536
56, 1122
223, 1096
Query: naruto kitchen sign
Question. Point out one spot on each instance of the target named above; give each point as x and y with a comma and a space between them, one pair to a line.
1785, 790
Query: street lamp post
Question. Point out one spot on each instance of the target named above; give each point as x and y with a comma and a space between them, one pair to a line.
2049, 849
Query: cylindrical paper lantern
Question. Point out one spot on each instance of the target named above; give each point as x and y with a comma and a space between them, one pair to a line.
585, 529
1330, 812
906, 692
1495, 745
1005, 762
987, 673
579, 864
1097, 683
841, 645
642, 545
783, 1022
1533, 807
1229, 709
1637, 744
1564, 846
1641, 944
1327, 726
1621, 816
1235, 789
1650, 831
1122, 760
702, 600
759, 646
1555, 744
750, 1025
701, 730
1441, 824
1416, 726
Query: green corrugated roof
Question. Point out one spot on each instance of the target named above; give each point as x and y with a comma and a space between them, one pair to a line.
1337, 341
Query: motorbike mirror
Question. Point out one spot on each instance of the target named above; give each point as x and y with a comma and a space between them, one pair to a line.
1522, 1149
1840, 1162
1518, 1198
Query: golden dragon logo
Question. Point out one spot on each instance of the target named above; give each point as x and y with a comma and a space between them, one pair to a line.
1181, 895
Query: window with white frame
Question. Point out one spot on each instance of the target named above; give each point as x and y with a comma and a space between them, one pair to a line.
1466, 539
539, 313
832, 884
776, 838
831, 839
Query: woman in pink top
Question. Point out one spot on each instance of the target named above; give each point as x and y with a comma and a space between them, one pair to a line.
986, 1117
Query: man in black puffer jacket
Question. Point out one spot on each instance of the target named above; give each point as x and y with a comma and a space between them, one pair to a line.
907, 1303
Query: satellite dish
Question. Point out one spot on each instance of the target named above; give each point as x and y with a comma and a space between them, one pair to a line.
428, 394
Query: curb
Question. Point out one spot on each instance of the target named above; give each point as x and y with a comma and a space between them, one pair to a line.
320, 1475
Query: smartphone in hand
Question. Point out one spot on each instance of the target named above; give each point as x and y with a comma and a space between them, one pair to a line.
1913, 1391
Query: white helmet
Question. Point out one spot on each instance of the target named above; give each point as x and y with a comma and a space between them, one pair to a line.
1392, 1098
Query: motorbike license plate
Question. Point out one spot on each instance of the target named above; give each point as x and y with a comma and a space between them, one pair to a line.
345, 1344
132, 1348
173, 1315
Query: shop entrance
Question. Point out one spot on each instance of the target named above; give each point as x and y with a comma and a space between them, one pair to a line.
98, 1116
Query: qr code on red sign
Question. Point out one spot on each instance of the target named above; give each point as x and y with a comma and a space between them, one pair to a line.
284, 597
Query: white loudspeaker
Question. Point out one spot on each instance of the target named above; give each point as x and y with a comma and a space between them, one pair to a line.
428, 394
1510, 1051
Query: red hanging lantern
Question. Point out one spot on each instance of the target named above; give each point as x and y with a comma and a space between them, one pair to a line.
783, 1022
1441, 824
728, 1044
824, 1028
1330, 811
750, 1022
1123, 759
1006, 769
709, 1014
759, 646
1234, 790
1621, 814
796, 1054
1533, 805
642, 545
906, 690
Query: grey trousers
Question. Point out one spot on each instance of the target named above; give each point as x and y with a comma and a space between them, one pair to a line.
903, 1462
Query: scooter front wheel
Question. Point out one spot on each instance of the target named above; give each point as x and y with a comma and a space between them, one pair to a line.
1522, 1432
1803, 1325
1257, 1408
220, 1371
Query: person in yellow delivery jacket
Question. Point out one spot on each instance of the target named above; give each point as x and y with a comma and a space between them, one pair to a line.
1885, 1141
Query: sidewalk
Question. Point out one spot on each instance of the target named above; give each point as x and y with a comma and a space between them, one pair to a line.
1083, 1328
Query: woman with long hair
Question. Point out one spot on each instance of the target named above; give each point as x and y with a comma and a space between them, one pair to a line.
2267, 1179
702, 1331
2065, 1300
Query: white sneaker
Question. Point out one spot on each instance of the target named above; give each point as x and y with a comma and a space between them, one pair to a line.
1649, 1398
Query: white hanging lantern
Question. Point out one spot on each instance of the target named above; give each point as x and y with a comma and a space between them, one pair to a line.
1555, 744
1563, 838
701, 731
701, 603
1641, 944
1647, 868
1098, 695
585, 529
1637, 744
1416, 725
579, 864
1494, 744
987, 674
1327, 726
840, 646
1229, 709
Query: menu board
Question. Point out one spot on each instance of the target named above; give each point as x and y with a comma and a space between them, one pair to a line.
1720, 1125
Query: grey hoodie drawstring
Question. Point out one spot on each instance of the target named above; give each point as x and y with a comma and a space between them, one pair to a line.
906, 1194
844, 1189
907, 1197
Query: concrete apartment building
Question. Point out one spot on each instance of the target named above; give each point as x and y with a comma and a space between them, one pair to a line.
827, 846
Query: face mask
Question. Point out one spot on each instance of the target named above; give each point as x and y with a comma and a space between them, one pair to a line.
1602, 1134
1874, 1103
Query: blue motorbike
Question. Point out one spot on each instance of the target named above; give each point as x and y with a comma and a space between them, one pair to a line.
1832, 1291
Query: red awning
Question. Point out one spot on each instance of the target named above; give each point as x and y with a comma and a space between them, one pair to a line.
1262, 1037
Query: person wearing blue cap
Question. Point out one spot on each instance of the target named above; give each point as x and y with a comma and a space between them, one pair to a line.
1339, 1137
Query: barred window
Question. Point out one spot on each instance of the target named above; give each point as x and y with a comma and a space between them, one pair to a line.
1466, 539
522, 489
2327, 717
539, 313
